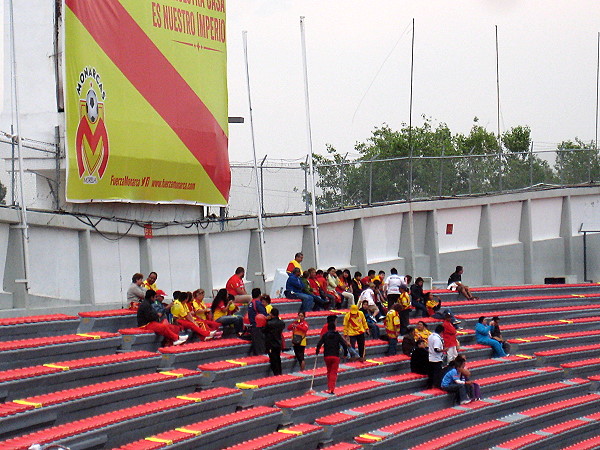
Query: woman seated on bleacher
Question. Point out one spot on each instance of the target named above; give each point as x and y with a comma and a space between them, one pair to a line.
201, 311
223, 310
183, 316
482, 335
421, 332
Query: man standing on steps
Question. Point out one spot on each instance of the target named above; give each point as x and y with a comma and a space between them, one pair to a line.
273, 330
392, 287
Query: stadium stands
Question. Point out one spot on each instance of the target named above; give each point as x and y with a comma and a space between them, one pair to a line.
97, 381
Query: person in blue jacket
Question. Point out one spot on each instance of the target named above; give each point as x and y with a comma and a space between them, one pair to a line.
294, 288
483, 337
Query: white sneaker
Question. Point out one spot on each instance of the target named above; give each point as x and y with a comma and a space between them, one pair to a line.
210, 336
181, 340
464, 402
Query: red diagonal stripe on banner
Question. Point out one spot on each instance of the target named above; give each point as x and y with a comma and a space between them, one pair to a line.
151, 73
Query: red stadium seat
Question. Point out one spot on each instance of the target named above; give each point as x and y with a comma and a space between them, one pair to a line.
36, 319
284, 435
457, 436
108, 313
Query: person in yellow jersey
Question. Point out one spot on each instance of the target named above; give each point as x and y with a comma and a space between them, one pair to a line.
201, 311
298, 257
182, 315
405, 309
355, 327
392, 328
150, 282
421, 332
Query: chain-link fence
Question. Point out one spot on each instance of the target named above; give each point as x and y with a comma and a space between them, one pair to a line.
285, 187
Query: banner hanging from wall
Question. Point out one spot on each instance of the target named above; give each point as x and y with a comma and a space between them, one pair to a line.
146, 101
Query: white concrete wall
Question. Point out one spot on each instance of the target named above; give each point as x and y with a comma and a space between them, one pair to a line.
506, 223
52, 263
585, 210
465, 232
335, 244
546, 217
228, 251
176, 263
113, 262
281, 244
383, 237
507, 239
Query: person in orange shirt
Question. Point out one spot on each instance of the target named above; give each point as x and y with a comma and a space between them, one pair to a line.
298, 257
355, 326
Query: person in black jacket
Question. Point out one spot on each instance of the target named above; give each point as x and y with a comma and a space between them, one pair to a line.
331, 342
419, 358
149, 319
273, 344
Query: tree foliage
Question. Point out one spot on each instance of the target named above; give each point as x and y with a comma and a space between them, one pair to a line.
441, 163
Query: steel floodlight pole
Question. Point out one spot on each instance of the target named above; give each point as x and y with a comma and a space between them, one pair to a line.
22, 207
261, 230
310, 146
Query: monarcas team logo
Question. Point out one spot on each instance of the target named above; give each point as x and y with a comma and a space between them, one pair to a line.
92, 137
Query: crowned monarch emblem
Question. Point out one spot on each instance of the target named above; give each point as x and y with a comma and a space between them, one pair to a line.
92, 139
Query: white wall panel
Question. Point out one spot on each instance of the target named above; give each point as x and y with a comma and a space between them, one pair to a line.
280, 247
175, 259
585, 209
227, 252
54, 258
4, 230
335, 244
465, 231
382, 237
545, 218
506, 220
114, 262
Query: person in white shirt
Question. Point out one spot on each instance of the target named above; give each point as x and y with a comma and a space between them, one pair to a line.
369, 296
436, 355
391, 287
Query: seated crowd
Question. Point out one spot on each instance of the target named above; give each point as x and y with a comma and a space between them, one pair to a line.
378, 307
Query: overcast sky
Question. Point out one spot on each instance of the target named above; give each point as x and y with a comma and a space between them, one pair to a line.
548, 60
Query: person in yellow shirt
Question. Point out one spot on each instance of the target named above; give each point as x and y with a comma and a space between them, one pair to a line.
150, 282
405, 309
355, 326
392, 328
201, 312
421, 332
182, 315
298, 257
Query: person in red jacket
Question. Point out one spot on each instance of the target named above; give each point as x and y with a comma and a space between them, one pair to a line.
451, 344
331, 341
299, 327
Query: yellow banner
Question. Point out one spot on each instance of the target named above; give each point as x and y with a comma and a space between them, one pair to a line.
146, 101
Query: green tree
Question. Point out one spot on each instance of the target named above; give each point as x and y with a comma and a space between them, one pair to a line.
521, 167
577, 162
2, 194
